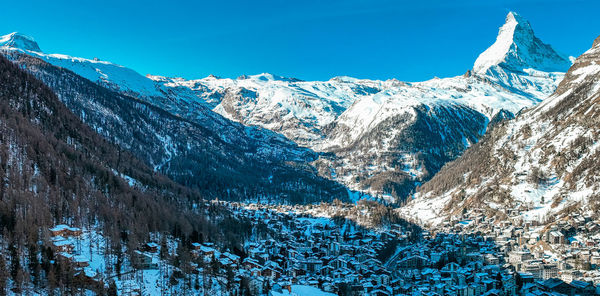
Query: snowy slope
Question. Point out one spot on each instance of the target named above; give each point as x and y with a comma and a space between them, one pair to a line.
102, 72
21, 41
127, 81
517, 48
181, 138
297, 109
485, 94
379, 137
362, 121
542, 163
438, 118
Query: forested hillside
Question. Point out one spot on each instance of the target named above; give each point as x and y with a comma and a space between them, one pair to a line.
55, 169
239, 167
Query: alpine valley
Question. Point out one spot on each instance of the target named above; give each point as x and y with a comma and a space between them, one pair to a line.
381, 138
486, 183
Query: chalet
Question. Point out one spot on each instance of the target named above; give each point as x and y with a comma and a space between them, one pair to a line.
570, 275
235, 259
491, 259
297, 272
80, 261
382, 277
270, 272
550, 271
338, 263
255, 272
327, 270
65, 231
87, 277
595, 260
146, 260
250, 263
63, 245
196, 246
150, 247
380, 292
371, 262
557, 285
583, 288
206, 253
224, 262
65, 256
519, 256
311, 265
556, 237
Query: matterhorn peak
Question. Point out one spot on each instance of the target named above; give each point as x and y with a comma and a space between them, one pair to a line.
517, 48
18, 40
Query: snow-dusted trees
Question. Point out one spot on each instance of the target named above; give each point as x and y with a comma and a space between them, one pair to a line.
55, 169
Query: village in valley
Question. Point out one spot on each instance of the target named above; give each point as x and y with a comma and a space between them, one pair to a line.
295, 250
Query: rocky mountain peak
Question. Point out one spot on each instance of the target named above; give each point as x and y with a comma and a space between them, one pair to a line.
517, 48
20, 41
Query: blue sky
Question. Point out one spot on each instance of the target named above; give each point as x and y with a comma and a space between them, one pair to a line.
311, 40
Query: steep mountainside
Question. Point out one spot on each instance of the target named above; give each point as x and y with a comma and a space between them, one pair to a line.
543, 163
380, 137
55, 169
297, 109
249, 165
517, 48
391, 141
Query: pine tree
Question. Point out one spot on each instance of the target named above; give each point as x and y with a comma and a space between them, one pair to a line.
3, 276
15, 267
112, 289
52, 281
164, 249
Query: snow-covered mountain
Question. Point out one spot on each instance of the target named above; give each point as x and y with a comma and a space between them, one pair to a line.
21, 41
536, 167
394, 139
379, 137
384, 137
517, 48
182, 139
297, 109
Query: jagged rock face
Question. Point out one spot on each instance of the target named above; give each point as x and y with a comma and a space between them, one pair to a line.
517, 48
545, 162
379, 137
596, 42
297, 109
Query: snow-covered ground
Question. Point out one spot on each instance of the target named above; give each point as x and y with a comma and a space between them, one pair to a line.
300, 290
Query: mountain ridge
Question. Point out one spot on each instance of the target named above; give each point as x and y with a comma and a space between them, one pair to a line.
362, 131
543, 163
19, 40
